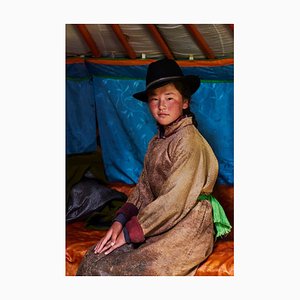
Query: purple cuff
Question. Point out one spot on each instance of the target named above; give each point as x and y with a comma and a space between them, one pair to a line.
128, 210
121, 219
135, 230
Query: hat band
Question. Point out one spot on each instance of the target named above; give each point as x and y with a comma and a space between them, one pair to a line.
161, 80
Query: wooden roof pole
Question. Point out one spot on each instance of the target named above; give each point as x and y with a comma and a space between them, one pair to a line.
199, 39
122, 38
88, 39
161, 42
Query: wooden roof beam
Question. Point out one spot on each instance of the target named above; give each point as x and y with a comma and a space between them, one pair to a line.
231, 26
201, 42
122, 38
88, 39
160, 40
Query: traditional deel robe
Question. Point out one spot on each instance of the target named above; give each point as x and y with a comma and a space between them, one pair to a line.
171, 232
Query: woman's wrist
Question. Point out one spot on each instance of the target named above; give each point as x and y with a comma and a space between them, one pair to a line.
121, 218
126, 235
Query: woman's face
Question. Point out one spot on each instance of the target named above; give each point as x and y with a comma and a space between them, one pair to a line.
166, 104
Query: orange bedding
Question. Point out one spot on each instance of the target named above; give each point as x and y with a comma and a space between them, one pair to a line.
219, 263
78, 240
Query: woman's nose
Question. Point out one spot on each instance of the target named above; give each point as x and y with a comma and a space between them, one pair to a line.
162, 104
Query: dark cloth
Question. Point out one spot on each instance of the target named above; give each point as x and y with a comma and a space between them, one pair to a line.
103, 218
89, 196
83, 165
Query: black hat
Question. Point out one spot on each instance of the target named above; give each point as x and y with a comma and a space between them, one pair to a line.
164, 71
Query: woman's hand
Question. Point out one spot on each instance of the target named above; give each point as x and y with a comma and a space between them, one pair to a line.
110, 238
119, 242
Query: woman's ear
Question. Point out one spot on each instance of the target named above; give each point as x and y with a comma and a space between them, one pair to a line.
185, 104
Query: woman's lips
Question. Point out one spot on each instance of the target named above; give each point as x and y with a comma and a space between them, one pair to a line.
162, 115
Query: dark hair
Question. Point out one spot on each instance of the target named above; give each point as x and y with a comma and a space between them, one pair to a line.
186, 94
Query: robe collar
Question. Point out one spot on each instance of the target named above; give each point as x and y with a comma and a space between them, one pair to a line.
170, 129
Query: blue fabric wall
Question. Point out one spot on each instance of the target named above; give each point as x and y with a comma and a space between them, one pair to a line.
80, 119
125, 124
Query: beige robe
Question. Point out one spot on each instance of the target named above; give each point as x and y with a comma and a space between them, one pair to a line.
178, 229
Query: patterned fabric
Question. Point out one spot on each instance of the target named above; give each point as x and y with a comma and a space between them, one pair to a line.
80, 122
126, 126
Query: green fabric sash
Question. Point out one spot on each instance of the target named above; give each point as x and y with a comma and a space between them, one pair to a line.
221, 222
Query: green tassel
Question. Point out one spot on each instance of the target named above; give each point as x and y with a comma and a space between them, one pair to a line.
221, 222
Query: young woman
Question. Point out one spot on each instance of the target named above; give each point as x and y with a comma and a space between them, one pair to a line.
166, 227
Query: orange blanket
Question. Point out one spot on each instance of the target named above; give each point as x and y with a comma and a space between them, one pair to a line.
79, 239
219, 263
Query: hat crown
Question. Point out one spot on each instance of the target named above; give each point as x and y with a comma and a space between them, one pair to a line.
164, 71
161, 69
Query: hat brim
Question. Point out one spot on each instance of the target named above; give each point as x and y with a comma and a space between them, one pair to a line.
192, 81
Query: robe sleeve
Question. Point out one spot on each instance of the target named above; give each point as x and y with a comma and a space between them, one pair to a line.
142, 194
138, 199
179, 192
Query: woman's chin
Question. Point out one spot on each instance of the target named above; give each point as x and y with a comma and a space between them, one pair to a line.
163, 120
